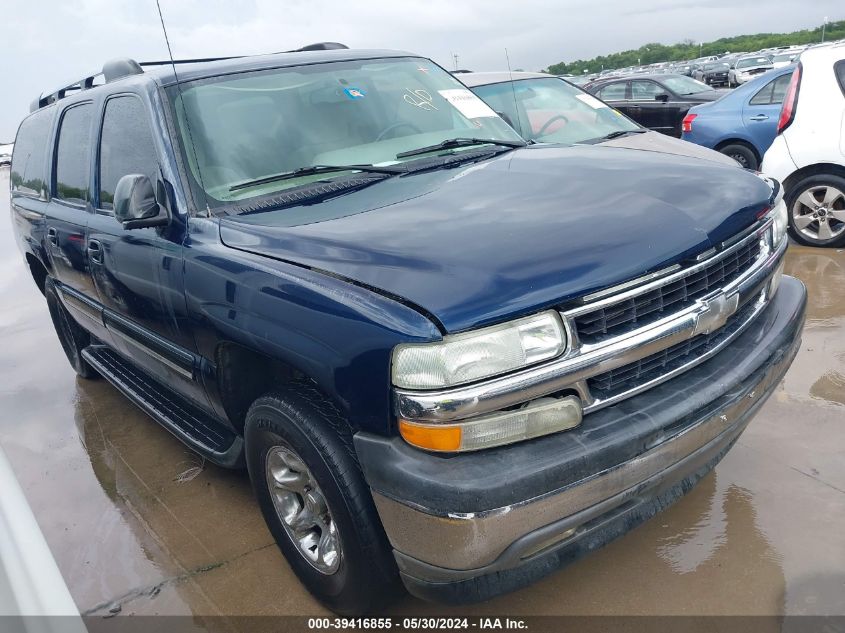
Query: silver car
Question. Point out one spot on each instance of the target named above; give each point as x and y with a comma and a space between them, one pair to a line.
747, 68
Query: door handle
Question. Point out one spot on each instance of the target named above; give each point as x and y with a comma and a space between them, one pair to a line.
95, 251
53, 236
758, 117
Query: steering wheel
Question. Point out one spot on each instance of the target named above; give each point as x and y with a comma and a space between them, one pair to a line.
557, 117
396, 126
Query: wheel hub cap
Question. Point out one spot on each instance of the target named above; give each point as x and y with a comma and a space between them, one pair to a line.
819, 213
302, 509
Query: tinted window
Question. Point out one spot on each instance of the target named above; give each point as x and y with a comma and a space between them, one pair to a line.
73, 154
646, 90
613, 92
28, 159
126, 146
773, 92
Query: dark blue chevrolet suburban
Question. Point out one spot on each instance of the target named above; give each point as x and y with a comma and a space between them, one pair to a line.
449, 359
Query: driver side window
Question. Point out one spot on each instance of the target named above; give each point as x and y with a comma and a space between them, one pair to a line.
126, 146
646, 90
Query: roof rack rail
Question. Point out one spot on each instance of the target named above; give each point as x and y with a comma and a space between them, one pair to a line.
196, 60
123, 67
112, 70
320, 46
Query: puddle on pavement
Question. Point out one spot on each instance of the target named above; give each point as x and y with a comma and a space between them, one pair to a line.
761, 535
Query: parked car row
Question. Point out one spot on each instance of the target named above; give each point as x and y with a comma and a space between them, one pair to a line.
788, 123
658, 102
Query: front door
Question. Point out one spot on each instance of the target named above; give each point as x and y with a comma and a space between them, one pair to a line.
138, 273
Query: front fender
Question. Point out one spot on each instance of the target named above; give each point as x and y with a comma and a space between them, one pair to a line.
339, 334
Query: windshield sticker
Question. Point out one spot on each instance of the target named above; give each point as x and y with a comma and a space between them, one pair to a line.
354, 93
591, 101
420, 98
467, 103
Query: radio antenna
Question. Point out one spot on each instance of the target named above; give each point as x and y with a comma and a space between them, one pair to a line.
184, 109
513, 88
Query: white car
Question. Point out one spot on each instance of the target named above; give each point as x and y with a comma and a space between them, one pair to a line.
6, 154
747, 68
785, 58
808, 154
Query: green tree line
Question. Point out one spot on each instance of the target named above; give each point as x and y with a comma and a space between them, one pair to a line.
688, 49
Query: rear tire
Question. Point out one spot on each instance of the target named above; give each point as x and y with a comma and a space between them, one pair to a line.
742, 154
71, 335
816, 208
314, 499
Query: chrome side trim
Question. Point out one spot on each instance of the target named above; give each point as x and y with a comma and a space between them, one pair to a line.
584, 361
465, 541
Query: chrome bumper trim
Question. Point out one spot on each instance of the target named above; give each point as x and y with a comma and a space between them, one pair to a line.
468, 541
585, 361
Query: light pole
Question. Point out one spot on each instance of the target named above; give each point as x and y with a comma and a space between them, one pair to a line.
700, 46
824, 24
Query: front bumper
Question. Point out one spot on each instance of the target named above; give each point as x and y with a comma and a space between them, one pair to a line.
468, 527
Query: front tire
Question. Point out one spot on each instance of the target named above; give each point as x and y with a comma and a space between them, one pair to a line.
71, 335
316, 503
816, 207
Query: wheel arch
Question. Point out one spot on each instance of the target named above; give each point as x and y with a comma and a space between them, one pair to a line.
816, 169
38, 270
735, 140
244, 375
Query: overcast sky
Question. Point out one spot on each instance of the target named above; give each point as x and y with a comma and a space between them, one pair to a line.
45, 43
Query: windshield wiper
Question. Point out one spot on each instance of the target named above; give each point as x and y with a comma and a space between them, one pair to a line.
316, 169
619, 133
452, 143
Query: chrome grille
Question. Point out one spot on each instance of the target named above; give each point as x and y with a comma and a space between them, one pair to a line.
620, 318
612, 383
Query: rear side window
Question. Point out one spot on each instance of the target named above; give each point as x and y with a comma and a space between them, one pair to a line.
613, 92
73, 154
29, 157
126, 146
773, 92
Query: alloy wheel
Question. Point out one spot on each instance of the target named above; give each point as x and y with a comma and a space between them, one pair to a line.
302, 509
819, 213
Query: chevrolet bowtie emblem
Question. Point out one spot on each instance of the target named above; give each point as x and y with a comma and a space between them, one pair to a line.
716, 312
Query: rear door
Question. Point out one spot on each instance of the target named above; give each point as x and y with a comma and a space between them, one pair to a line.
68, 212
618, 96
138, 273
761, 111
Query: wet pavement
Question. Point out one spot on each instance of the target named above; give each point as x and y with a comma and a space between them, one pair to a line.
137, 521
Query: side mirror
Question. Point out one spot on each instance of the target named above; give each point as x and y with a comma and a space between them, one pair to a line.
136, 205
662, 97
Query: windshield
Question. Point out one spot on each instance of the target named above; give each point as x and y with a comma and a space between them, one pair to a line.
237, 129
785, 57
752, 61
685, 85
552, 111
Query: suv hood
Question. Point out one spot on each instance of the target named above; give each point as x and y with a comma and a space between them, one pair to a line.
526, 230
652, 141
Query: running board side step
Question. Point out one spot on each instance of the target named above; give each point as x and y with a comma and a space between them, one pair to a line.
186, 421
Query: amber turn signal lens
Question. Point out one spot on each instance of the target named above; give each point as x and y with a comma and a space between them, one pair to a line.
432, 437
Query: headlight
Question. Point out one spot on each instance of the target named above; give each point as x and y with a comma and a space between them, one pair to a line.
780, 221
462, 358
540, 417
